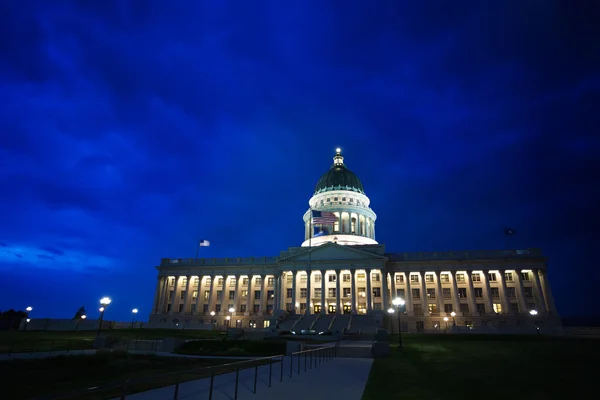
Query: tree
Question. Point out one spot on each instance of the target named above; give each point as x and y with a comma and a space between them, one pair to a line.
11, 319
79, 312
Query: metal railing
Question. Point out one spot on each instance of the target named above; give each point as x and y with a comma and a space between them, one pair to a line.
49, 346
312, 358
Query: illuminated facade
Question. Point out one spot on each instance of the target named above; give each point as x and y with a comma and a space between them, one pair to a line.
342, 274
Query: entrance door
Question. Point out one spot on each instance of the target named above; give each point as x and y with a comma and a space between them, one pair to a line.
347, 309
332, 309
317, 308
420, 326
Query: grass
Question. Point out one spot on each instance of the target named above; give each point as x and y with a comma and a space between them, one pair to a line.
67, 374
259, 348
479, 366
28, 341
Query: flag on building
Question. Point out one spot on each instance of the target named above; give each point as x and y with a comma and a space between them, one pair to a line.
204, 243
320, 231
323, 217
509, 232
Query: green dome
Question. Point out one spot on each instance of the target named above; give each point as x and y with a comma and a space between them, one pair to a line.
339, 178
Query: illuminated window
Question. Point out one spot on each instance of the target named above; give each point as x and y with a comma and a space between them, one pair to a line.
476, 277
429, 278
207, 281
331, 277
336, 226
289, 278
220, 282
258, 281
266, 323
399, 279
270, 294
445, 278
431, 293
196, 281
353, 225
497, 308
508, 276
206, 294
432, 307
270, 281
318, 278
360, 277
376, 277
318, 292
362, 308
362, 292
244, 281
195, 294
414, 279
303, 278
183, 281
460, 278
232, 281
346, 278
244, 294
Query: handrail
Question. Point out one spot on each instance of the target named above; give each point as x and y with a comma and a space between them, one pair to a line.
212, 369
320, 355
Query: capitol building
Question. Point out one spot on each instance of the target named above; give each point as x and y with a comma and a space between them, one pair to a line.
341, 279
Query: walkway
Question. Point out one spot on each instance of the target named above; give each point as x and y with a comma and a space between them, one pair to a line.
342, 378
45, 354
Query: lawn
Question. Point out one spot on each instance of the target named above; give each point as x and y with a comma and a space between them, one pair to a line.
28, 341
65, 374
233, 348
491, 367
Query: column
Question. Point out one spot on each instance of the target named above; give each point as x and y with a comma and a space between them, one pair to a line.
503, 294
439, 294
455, 301
308, 296
549, 299
211, 294
369, 292
277, 292
408, 295
394, 288
159, 281
489, 308
164, 297
470, 293
337, 291
249, 296
175, 302
538, 295
323, 308
187, 293
263, 295
521, 293
424, 301
199, 297
384, 289
236, 299
294, 273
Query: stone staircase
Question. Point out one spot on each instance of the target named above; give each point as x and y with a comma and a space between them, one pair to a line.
362, 324
340, 323
323, 323
290, 322
305, 322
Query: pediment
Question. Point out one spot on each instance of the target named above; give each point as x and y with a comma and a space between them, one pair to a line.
332, 251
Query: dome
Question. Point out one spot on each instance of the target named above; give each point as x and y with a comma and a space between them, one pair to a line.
339, 178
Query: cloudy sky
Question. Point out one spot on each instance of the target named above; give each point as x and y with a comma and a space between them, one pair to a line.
129, 130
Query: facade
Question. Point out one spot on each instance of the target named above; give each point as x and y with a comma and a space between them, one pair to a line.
341, 270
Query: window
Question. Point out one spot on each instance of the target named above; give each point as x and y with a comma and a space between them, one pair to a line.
346, 278
376, 292
528, 291
303, 278
347, 292
353, 225
257, 295
508, 276
495, 292
270, 309
270, 294
376, 306
335, 198
416, 294
376, 277
414, 279
336, 226
244, 281
525, 276
343, 199
476, 277
180, 307
318, 278
204, 308
462, 293
514, 307
219, 281
360, 277
170, 294
351, 200
289, 278
464, 308
206, 294
399, 279
445, 278
184, 281
400, 293
328, 199
242, 308
362, 292
460, 278
217, 308
480, 307
256, 308
446, 293
207, 281
331, 277
429, 278
195, 294
244, 294
417, 309
497, 308
258, 281
478, 292
510, 292
318, 292
432, 307
431, 293
219, 294
182, 294
322, 202
303, 293
469, 324
331, 292
232, 281
266, 323
231, 294
270, 281
196, 281
447, 308
492, 277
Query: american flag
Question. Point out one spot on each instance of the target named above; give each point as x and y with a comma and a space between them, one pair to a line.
323, 217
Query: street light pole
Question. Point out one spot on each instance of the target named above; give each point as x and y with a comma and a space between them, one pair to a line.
398, 302
391, 311
105, 301
134, 311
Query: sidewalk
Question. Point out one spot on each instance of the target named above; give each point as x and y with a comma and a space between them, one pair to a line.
45, 354
342, 378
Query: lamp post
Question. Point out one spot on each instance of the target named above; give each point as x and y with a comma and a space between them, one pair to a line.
399, 302
212, 314
28, 309
104, 302
446, 320
453, 314
79, 320
533, 314
231, 311
391, 311
134, 311
228, 319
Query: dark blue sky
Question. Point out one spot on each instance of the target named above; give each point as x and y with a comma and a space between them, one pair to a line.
129, 130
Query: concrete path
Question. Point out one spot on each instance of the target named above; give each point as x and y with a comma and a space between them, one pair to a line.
45, 354
340, 378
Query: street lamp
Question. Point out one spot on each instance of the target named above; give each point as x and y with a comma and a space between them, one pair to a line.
105, 301
79, 320
446, 320
231, 311
134, 311
399, 302
453, 314
533, 314
228, 318
391, 311
212, 314
28, 309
